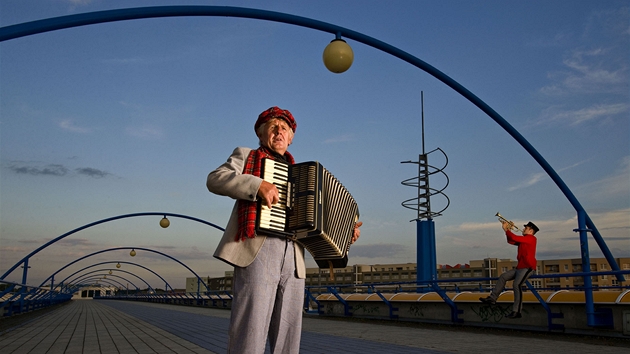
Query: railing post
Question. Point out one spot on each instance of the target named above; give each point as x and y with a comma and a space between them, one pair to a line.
586, 268
23, 286
52, 284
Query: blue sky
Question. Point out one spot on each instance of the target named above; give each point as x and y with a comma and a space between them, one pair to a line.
129, 117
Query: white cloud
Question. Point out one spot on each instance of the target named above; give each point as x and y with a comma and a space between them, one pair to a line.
599, 63
598, 111
134, 60
586, 75
533, 179
340, 139
616, 184
540, 176
69, 125
388, 250
145, 132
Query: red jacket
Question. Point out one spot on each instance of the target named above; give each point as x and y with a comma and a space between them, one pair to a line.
526, 249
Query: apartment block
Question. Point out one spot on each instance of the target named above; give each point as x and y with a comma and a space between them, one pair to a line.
394, 276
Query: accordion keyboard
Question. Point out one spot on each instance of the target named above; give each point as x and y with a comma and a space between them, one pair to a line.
278, 174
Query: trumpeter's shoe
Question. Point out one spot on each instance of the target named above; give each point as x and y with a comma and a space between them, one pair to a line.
514, 315
487, 300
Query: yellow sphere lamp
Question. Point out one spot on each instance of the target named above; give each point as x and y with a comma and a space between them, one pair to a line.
132, 253
338, 56
164, 222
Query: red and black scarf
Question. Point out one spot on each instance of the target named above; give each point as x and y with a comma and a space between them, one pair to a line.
247, 209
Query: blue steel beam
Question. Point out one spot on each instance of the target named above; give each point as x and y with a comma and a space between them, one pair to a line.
80, 280
110, 282
26, 258
74, 287
93, 274
108, 262
114, 275
143, 249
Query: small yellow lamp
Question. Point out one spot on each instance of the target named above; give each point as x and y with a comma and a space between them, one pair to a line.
338, 56
164, 222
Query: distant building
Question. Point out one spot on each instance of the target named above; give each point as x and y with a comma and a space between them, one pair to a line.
400, 273
214, 284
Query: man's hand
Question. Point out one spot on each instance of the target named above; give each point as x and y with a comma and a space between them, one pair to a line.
268, 193
507, 225
357, 232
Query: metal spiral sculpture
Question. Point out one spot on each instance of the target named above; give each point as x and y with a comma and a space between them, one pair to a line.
422, 203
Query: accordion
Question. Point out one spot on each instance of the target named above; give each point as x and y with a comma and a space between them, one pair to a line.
314, 210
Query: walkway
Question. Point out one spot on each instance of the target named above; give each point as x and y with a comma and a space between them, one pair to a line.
111, 326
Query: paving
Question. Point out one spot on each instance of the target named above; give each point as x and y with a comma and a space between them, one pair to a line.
112, 326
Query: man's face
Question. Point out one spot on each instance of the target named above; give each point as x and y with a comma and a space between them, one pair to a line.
528, 230
276, 135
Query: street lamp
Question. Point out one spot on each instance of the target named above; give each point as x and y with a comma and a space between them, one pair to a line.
132, 253
338, 56
164, 222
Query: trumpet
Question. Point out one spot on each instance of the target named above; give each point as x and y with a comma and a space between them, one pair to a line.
502, 219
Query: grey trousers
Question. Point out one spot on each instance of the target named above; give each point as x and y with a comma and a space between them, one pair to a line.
268, 300
519, 276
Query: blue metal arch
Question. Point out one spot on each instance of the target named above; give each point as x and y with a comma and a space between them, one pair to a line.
27, 257
92, 275
80, 287
109, 281
65, 280
101, 284
140, 249
90, 279
52, 276
585, 224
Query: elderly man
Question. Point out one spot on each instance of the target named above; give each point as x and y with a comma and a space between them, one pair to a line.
269, 272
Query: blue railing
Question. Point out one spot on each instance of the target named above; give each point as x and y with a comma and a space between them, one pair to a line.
207, 298
603, 317
18, 298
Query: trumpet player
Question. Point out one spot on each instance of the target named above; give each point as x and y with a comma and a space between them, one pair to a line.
526, 256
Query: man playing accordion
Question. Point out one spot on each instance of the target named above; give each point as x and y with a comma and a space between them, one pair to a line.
269, 272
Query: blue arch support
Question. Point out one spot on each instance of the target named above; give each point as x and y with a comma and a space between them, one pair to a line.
102, 283
585, 224
96, 284
93, 277
140, 249
52, 276
85, 282
24, 261
98, 270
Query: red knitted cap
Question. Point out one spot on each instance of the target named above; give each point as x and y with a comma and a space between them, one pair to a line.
275, 112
